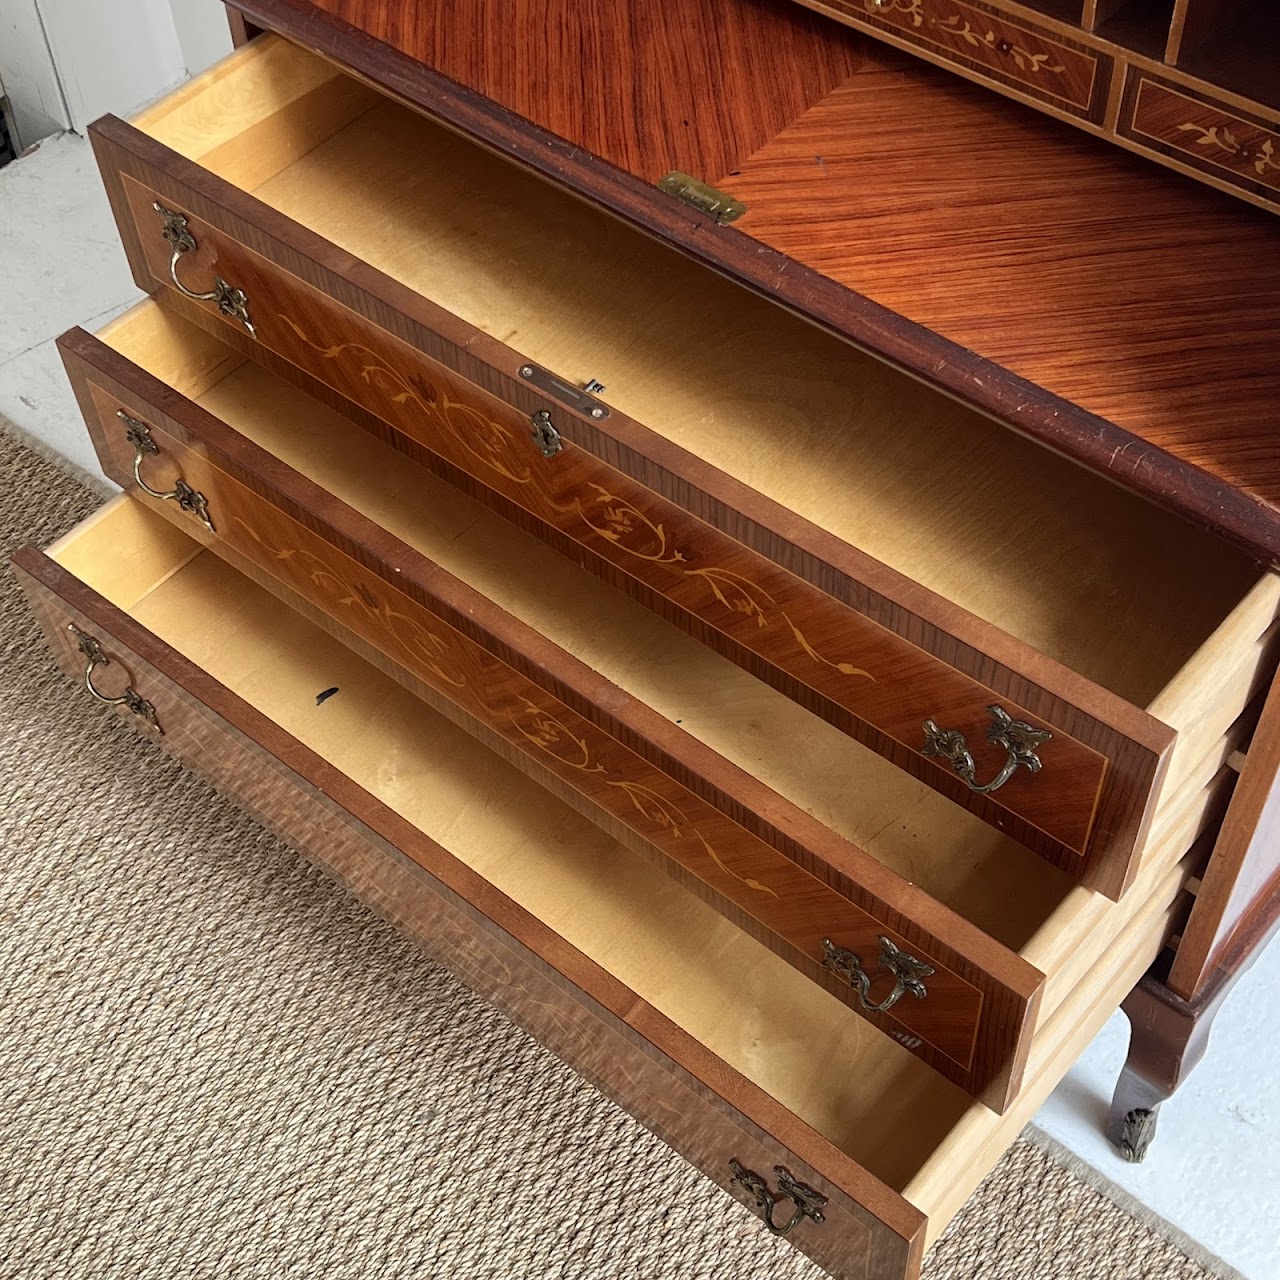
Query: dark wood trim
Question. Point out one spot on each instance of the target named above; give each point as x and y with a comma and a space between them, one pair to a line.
1179, 486
1169, 1035
242, 31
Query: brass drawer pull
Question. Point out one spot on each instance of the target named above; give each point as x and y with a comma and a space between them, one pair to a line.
95, 657
908, 973
139, 435
545, 435
1019, 739
808, 1202
230, 300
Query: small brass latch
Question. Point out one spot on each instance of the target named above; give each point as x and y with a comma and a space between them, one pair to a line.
702, 196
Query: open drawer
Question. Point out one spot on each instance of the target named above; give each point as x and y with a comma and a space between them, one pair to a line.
727, 1053
789, 827
434, 589
1018, 634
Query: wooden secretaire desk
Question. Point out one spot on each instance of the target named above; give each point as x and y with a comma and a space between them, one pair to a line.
757, 553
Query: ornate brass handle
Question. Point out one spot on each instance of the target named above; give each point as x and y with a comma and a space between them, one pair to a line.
908, 973
806, 1201
139, 435
1019, 739
230, 300
94, 657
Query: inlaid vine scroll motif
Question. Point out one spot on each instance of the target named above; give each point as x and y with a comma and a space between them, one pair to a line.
550, 734
490, 443
1264, 157
962, 28
417, 644
607, 515
462, 669
629, 529
975, 36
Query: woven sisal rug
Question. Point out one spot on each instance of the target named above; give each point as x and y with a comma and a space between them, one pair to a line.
214, 1063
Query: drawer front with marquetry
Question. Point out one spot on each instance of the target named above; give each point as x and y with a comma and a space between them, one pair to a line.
1213, 138
853, 1224
783, 876
1017, 54
1061, 765
728, 1054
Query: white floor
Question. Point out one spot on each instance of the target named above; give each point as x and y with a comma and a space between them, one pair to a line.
1214, 1172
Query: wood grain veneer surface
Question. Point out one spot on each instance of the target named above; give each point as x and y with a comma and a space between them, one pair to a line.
950, 500
1125, 316
1145, 300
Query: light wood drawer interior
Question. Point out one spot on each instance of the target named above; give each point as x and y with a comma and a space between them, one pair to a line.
915, 1132
994, 882
1096, 579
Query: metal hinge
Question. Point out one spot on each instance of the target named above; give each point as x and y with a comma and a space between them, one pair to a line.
702, 196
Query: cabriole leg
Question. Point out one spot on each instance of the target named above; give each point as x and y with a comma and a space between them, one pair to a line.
1168, 1037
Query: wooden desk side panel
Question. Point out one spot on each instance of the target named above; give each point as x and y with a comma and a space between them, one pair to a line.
1241, 887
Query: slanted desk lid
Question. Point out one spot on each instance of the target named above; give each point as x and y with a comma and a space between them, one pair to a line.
1119, 314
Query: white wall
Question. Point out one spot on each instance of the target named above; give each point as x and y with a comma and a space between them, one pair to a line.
203, 33
28, 75
64, 63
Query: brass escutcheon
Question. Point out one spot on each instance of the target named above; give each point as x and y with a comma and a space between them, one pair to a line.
545, 435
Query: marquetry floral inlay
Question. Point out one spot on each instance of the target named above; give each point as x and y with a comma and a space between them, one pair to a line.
630, 530
747, 880
626, 526
417, 643
736, 593
960, 26
616, 519
444, 656
975, 36
908, 8
489, 442
549, 734
1264, 158
649, 804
